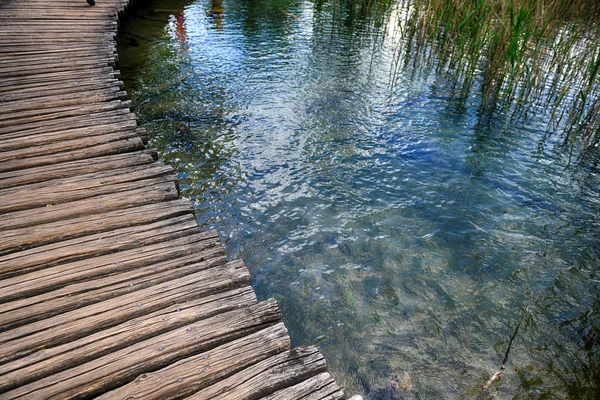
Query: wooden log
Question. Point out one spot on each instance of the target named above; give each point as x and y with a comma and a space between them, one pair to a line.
11, 142
79, 121
13, 179
29, 116
62, 146
84, 186
126, 145
245, 327
130, 143
264, 378
51, 66
163, 193
78, 323
57, 80
320, 387
94, 246
62, 100
53, 278
46, 77
59, 89
199, 372
39, 234
34, 308
55, 359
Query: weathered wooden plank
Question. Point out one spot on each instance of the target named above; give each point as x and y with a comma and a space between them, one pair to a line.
47, 49
13, 179
84, 186
165, 234
55, 359
198, 372
74, 16
30, 309
53, 278
57, 82
244, 326
268, 376
39, 234
320, 387
27, 69
125, 145
30, 61
101, 73
37, 144
62, 100
80, 322
59, 146
94, 207
80, 121
28, 116
14, 94
85, 81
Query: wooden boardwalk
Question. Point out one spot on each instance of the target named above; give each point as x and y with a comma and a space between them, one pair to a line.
108, 288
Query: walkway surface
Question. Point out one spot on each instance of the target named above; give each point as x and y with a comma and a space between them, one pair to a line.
107, 286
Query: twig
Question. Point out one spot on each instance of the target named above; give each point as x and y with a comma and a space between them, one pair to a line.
503, 366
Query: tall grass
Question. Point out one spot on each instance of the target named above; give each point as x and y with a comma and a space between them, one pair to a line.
524, 56
532, 55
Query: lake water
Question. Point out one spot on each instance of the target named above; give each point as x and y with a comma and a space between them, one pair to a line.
400, 230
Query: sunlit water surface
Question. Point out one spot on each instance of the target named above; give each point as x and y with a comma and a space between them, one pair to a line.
398, 230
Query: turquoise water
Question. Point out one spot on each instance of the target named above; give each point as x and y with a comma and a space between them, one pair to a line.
401, 230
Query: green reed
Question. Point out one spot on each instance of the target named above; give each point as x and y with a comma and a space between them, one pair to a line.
532, 56
523, 56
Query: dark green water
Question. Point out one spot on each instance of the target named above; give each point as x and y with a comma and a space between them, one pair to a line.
400, 231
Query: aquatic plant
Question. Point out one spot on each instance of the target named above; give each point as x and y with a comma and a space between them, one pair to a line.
524, 56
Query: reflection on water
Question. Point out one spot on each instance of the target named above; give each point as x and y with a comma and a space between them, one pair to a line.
399, 231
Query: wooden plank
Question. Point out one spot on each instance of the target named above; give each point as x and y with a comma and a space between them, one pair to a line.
78, 323
61, 100
79, 121
9, 71
264, 378
65, 145
34, 308
84, 186
53, 278
320, 387
94, 206
13, 179
101, 73
55, 359
29, 116
121, 366
58, 81
169, 234
125, 145
30, 61
39, 234
85, 135
13, 94
198, 372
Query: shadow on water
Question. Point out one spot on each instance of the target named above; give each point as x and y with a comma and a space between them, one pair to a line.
400, 229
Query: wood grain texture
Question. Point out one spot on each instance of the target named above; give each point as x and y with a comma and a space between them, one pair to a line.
320, 387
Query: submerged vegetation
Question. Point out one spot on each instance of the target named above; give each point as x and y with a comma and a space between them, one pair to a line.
525, 57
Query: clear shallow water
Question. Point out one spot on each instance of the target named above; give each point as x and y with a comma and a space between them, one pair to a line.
400, 231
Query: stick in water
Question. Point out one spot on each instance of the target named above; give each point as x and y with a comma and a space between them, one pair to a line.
503, 367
